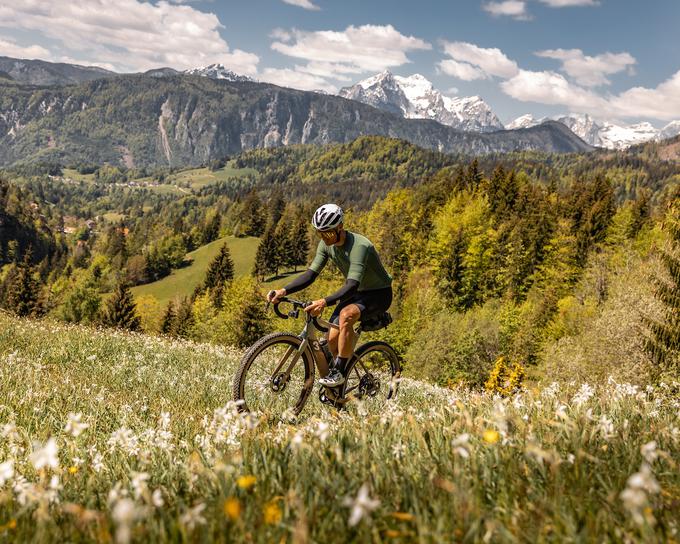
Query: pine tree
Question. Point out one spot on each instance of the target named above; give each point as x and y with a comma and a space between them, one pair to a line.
121, 311
252, 322
253, 215
220, 271
22, 290
184, 319
211, 232
473, 177
300, 242
168, 318
267, 257
663, 341
277, 207
284, 243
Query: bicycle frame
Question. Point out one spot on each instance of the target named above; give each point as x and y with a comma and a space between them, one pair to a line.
310, 342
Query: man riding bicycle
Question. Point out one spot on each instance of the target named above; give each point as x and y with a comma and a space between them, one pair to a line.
367, 289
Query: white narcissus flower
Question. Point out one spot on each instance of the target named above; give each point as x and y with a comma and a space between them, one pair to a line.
361, 506
124, 515
193, 516
322, 431
74, 426
6, 472
46, 456
139, 480
649, 452
461, 444
157, 498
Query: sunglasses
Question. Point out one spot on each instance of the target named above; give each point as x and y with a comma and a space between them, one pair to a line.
328, 235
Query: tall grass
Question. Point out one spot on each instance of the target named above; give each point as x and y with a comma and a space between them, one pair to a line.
110, 436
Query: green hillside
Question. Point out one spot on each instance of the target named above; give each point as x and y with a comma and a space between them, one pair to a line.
183, 281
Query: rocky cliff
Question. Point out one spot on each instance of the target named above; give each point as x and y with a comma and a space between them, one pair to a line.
188, 120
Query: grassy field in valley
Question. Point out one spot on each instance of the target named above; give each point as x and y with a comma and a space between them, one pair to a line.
181, 282
108, 436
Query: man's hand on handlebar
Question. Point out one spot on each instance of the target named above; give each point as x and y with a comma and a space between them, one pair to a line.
316, 307
276, 295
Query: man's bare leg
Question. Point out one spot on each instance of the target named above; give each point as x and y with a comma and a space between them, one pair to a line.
348, 317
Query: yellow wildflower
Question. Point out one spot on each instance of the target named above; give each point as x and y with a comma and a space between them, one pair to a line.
402, 516
272, 513
72, 469
246, 482
232, 508
491, 436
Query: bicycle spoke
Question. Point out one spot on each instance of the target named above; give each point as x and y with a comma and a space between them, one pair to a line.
275, 383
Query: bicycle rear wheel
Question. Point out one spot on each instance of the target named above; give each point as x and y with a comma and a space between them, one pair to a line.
373, 373
274, 377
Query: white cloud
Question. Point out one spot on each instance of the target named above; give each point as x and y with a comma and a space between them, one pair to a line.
554, 89
569, 3
662, 102
296, 79
517, 9
305, 4
131, 35
461, 70
590, 71
9, 48
354, 50
479, 60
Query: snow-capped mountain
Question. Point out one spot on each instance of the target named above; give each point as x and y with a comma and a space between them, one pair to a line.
414, 97
217, 71
603, 133
670, 130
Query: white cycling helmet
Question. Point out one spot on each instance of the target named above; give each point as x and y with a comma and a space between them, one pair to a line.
327, 217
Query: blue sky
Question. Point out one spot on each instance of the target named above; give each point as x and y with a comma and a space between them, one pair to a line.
614, 59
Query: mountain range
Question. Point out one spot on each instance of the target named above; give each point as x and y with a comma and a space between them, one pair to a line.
415, 97
412, 97
181, 119
602, 133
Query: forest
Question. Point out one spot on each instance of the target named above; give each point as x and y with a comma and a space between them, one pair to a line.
538, 266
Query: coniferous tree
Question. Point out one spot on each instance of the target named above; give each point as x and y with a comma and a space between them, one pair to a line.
22, 290
253, 215
211, 232
252, 323
300, 242
220, 271
663, 341
267, 257
473, 177
277, 207
284, 243
121, 311
168, 318
184, 319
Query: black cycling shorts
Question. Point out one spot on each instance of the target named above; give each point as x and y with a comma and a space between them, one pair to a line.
371, 303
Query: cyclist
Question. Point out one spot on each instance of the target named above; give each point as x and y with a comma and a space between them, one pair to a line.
367, 289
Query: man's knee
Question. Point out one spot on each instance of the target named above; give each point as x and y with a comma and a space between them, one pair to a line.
349, 315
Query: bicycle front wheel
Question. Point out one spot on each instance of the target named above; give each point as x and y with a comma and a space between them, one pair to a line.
275, 377
373, 373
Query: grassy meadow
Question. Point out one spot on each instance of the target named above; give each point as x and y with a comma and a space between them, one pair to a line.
181, 282
116, 437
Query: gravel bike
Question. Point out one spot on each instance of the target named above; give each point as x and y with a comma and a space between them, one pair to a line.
276, 373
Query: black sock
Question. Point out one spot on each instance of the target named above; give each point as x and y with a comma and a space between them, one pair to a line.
340, 363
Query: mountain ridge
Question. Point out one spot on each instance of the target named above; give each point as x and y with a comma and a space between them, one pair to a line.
190, 120
414, 97
603, 134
